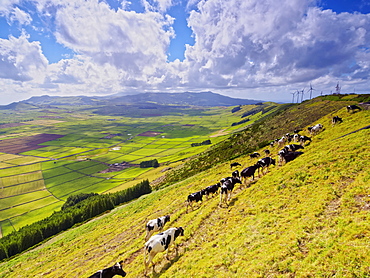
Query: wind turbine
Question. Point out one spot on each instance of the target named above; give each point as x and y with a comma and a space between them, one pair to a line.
311, 89
293, 94
337, 89
302, 92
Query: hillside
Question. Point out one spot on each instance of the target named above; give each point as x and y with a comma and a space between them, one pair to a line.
308, 218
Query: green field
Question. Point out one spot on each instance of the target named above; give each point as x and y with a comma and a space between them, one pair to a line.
307, 218
42, 179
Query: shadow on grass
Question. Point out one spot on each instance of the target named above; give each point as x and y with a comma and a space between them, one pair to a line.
167, 265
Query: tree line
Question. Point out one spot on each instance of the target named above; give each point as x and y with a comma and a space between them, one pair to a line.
78, 210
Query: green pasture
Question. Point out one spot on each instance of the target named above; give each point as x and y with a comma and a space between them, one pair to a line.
21, 188
13, 201
307, 218
38, 201
84, 138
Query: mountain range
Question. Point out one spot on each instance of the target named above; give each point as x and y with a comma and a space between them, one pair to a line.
186, 98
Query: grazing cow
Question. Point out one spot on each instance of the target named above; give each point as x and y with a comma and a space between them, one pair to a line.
303, 139
155, 225
110, 271
159, 243
352, 108
297, 130
235, 164
235, 174
249, 172
315, 129
227, 186
282, 141
296, 138
289, 156
267, 152
212, 189
265, 163
293, 147
336, 120
194, 197
254, 155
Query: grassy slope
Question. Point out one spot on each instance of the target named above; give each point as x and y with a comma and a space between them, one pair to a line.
308, 218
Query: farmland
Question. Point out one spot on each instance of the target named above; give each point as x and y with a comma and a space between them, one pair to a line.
307, 218
48, 154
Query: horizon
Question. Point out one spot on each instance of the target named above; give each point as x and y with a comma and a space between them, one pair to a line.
255, 50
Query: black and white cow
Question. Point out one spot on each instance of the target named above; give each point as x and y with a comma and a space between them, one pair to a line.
194, 197
336, 120
249, 172
303, 139
289, 156
235, 174
265, 163
159, 243
227, 186
234, 164
155, 225
212, 189
254, 155
315, 129
293, 147
110, 271
352, 108
267, 152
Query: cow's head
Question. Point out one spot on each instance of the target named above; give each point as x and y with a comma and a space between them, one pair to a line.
179, 232
117, 269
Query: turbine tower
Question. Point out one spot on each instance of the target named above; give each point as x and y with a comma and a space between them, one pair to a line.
311, 89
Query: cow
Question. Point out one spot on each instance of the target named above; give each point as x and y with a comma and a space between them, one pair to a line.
265, 163
282, 141
352, 108
194, 197
159, 243
254, 155
235, 174
249, 172
267, 152
336, 120
109, 272
296, 138
212, 189
227, 186
315, 129
289, 156
303, 139
155, 225
293, 147
234, 164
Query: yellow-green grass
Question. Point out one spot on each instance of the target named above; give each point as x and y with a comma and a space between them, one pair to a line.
37, 201
21, 188
308, 218
130, 173
13, 201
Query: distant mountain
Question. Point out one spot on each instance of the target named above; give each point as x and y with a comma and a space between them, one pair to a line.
186, 98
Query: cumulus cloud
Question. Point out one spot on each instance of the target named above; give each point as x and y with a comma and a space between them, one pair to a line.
21, 60
268, 43
256, 46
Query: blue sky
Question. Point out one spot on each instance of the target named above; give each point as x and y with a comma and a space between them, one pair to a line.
258, 49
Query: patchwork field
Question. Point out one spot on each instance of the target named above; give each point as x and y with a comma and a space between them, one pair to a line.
44, 160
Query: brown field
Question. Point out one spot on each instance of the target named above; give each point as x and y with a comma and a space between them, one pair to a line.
28, 143
11, 125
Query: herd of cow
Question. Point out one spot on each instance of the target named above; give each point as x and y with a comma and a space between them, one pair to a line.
160, 242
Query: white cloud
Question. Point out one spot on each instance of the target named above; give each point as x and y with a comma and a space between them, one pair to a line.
18, 15
273, 43
21, 60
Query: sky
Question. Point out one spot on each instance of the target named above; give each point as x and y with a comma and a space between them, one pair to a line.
253, 49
